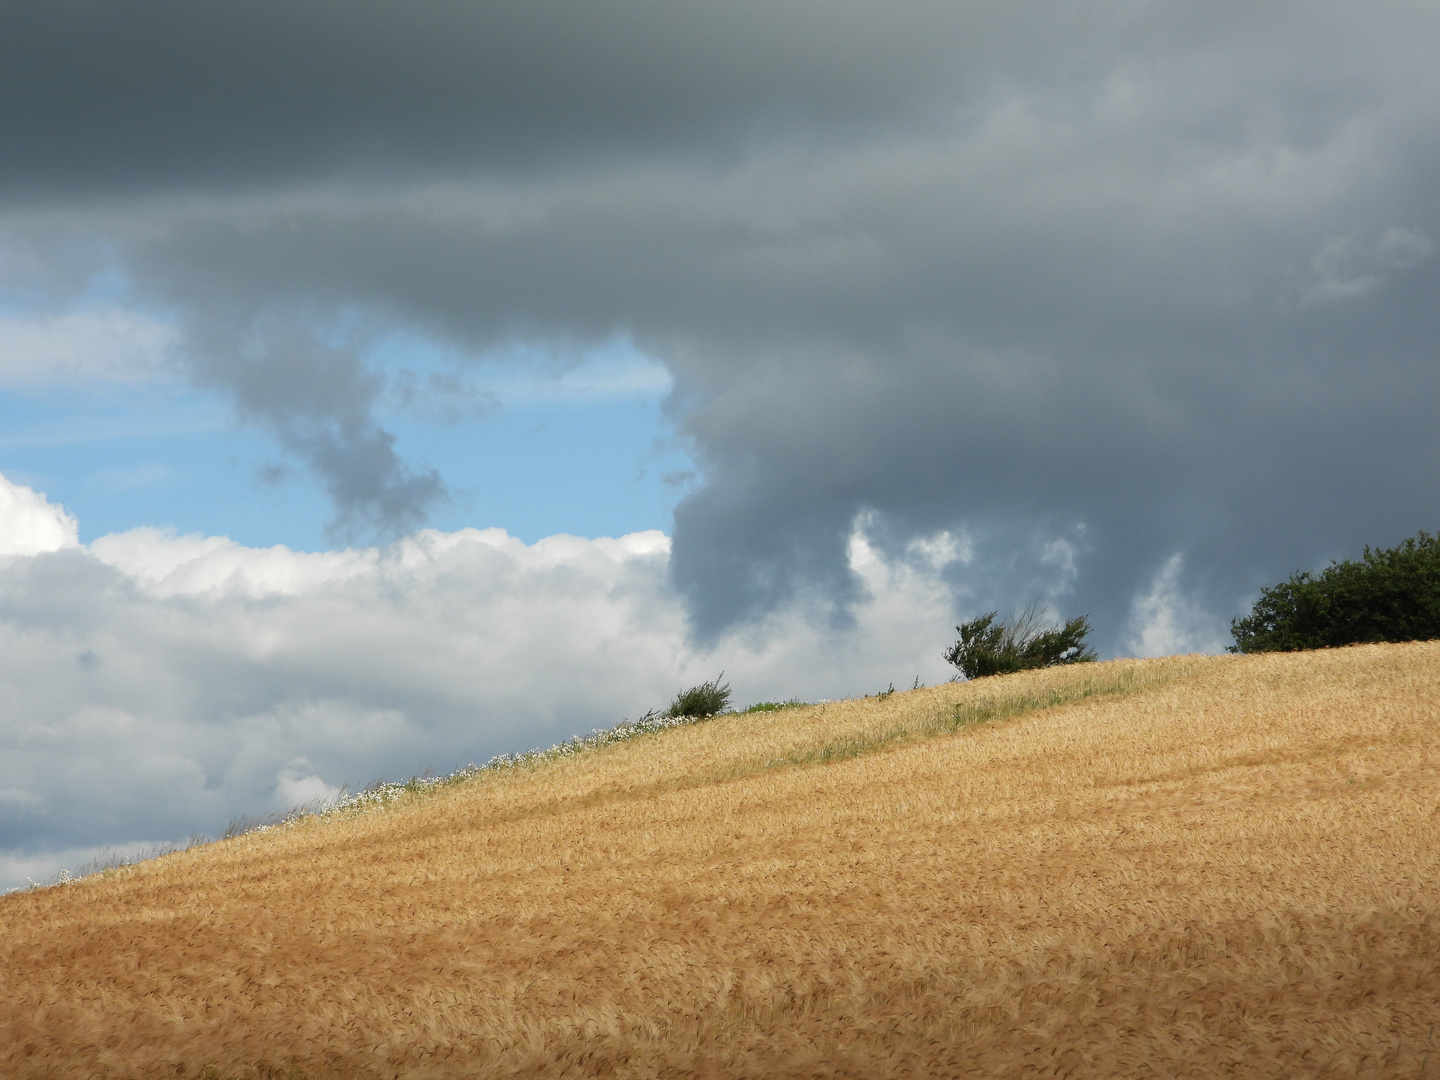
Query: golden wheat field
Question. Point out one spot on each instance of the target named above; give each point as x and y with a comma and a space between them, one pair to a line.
1195, 866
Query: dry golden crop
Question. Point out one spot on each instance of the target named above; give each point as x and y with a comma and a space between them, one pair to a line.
1202, 866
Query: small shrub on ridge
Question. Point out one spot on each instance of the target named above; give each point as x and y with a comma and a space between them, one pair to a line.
988, 647
707, 699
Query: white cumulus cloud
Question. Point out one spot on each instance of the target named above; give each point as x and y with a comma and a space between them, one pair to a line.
1165, 619
160, 685
30, 524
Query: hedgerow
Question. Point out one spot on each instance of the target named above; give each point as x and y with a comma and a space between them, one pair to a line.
1388, 595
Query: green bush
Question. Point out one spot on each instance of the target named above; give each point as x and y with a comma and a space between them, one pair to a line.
988, 647
1391, 595
707, 699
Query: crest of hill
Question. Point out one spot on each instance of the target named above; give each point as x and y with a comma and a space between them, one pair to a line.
1188, 866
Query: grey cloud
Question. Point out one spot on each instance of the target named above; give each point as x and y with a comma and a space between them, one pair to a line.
1141, 281
442, 397
318, 400
136, 93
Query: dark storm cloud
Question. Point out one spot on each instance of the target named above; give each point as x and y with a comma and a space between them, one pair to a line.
162, 93
1093, 286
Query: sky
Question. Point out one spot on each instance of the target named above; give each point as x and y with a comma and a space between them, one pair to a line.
384, 386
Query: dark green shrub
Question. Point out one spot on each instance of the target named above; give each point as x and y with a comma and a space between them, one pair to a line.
988, 647
1391, 595
707, 699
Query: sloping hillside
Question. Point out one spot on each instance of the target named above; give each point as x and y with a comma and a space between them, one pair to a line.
1204, 866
